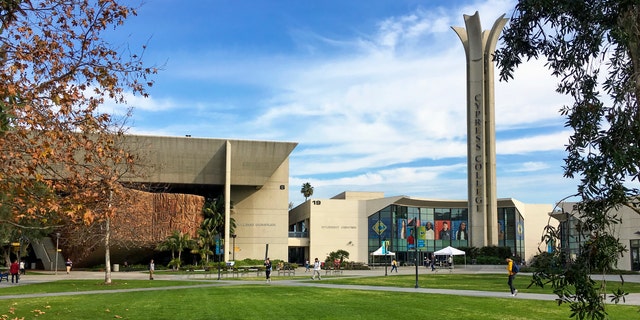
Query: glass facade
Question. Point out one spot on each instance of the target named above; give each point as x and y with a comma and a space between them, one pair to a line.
511, 230
572, 237
404, 229
634, 248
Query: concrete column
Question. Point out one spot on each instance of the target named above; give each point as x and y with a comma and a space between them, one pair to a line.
227, 202
479, 47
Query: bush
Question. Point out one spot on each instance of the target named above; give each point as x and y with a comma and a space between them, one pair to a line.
349, 265
489, 260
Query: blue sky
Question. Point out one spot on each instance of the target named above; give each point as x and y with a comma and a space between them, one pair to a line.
373, 91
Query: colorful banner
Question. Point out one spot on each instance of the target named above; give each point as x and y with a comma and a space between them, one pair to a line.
422, 237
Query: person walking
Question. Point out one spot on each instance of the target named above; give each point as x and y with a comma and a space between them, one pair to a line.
68, 264
267, 269
307, 265
14, 269
22, 270
433, 262
512, 275
316, 270
394, 265
152, 268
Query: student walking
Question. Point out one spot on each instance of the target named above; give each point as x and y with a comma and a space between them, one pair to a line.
14, 269
68, 264
433, 262
512, 275
152, 268
267, 269
316, 270
394, 265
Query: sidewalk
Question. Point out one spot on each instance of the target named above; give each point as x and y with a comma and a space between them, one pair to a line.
631, 299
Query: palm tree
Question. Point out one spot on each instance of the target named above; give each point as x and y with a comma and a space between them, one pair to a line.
212, 226
307, 190
213, 214
203, 245
177, 241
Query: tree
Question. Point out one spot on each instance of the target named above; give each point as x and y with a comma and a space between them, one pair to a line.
176, 242
57, 70
213, 214
339, 255
23, 229
593, 48
307, 190
203, 245
212, 226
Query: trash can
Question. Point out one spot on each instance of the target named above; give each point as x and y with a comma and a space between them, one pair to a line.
33, 266
116, 267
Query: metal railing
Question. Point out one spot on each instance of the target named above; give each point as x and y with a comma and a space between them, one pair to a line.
298, 234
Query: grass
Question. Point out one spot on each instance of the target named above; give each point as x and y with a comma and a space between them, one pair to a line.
480, 282
88, 285
284, 302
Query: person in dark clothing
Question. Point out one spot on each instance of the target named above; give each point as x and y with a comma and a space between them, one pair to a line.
14, 269
267, 269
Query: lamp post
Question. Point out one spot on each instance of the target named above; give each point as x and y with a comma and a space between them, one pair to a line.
57, 241
233, 255
415, 232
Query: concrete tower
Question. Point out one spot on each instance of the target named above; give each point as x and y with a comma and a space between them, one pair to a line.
479, 47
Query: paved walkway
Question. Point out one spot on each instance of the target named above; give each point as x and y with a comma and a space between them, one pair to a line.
631, 299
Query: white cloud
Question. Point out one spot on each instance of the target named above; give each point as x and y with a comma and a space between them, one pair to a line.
541, 142
138, 103
381, 114
531, 166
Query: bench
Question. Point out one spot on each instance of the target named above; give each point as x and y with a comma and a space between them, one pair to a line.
287, 272
256, 270
333, 271
241, 272
441, 266
4, 275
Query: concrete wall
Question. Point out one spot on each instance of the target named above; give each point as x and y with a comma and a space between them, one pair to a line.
536, 217
262, 217
337, 224
628, 229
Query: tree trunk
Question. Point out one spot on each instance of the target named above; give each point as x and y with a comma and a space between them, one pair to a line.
107, 254
6, 255
107, 235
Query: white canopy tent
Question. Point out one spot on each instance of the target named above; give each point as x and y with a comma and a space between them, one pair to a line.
379, 253
451, 251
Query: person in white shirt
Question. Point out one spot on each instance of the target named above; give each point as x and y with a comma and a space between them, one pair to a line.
316, 270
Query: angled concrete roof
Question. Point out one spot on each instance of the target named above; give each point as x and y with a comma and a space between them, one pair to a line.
187, 160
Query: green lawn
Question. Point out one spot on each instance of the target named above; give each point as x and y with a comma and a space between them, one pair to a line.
482, 282
284, 302
88, 285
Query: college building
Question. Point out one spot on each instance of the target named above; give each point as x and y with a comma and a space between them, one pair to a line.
361, 222
253, 178
627, 231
